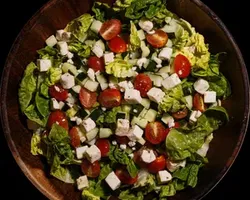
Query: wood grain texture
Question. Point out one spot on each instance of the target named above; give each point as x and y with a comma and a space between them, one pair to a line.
55, 15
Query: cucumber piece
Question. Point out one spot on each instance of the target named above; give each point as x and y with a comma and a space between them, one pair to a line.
166, 118
136, 109
139, 121
143, 113
151, 66
146, 103
151, 115
76, 89
95, 114
71, 112
84, 81
91, 85
105, 132
141, 141
189, 100
154, 105
157, 80
92, 134
67, 67
96, 26
81, 76
101, 79
165, 69
100, 44
83, 113
120, 115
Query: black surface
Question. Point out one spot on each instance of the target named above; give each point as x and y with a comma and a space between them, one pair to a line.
14, 14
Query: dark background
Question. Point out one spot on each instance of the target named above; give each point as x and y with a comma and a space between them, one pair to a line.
14, 14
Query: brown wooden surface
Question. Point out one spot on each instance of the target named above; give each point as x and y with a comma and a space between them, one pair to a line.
32, 38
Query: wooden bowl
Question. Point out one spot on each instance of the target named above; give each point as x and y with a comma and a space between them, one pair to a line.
55, 15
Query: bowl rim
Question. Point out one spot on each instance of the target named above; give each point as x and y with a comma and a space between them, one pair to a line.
32, 21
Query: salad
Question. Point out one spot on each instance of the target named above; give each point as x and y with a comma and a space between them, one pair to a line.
124, 101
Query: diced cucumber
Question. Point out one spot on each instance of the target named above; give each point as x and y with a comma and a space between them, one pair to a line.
91, 85
100, 44
150, 115
120, 115
95, 114
92, 134
165, 69
81, 76
141, 34
83, 113
151, 66
166, 118
136, 109
157, 80
146, 103
139, 121
76, 89
67, 67
101, 79
154, 105
71, 112
104, 86
143, 113
84, 81
90, 42
145, 50
189, 100
105, 132
96, 26
141, 141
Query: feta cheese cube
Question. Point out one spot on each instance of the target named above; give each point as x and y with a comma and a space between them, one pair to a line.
192, 117
146, 25
124, 85
123, 146
141, 141
131, 155
171, 122
93, 153
108, 58
67, 81
135, 133
78, 121
201, 86
51, 41
44, 64
148, 156
198, 114
131, 143
70, 61
82, 182
54, 104
71, 100
63, 48
80, 151
96, 26
164, 176
88, 124
98, 51
70, 55
63, 35
59, 34
172, 166
165, 53
141, 34
122, 127
142, 62
91, 142
91, 74
114, 142
133, 148
155, 94
210, 97
132, 96
91, 85
113, 181
171, 81
157, 60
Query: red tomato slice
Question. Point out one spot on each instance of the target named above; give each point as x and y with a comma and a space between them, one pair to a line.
158, 39
182, 66
91, 170
124, 176
155, 132
58, 117
58, 92
122, 139
97, 64
87, 98
180, 114
143, 83
74, 137
110, 29
110, 98
104, 146
198, 102
117, 45
157, 165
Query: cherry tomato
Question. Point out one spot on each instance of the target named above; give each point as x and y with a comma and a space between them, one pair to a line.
58, 92
157, 165
87, 98
117, 45
125, 177
137, 157
91, 170
122, 139
143, 83
97, 64
74, 137
155, 132
110, 29
104, 146
110, 98
158, 39
59, 118
198, 102
182, 66
180, 114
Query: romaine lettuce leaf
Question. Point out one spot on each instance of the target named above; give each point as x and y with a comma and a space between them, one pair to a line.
36, 144
53, 75
167, 190
82, 50
33, 114
102, 11
135, 41
127, 195
42, 105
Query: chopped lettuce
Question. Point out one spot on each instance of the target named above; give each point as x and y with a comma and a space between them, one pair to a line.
36, 144
127, 195
82, 50
88, 195
102, 11
53, 75
167, 190
42, 105
135, 41
33, 114
120, 4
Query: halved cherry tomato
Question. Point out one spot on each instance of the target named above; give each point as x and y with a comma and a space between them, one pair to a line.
104, 146
74, 137
110, 98
182, 66
198, 102
180, 114
117, 45
158, 39
97, 64
157, 165
58, 92
122, 139
59, 118
125, 177
110, 29
143, 83
155, 132
91, 170
87, 98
